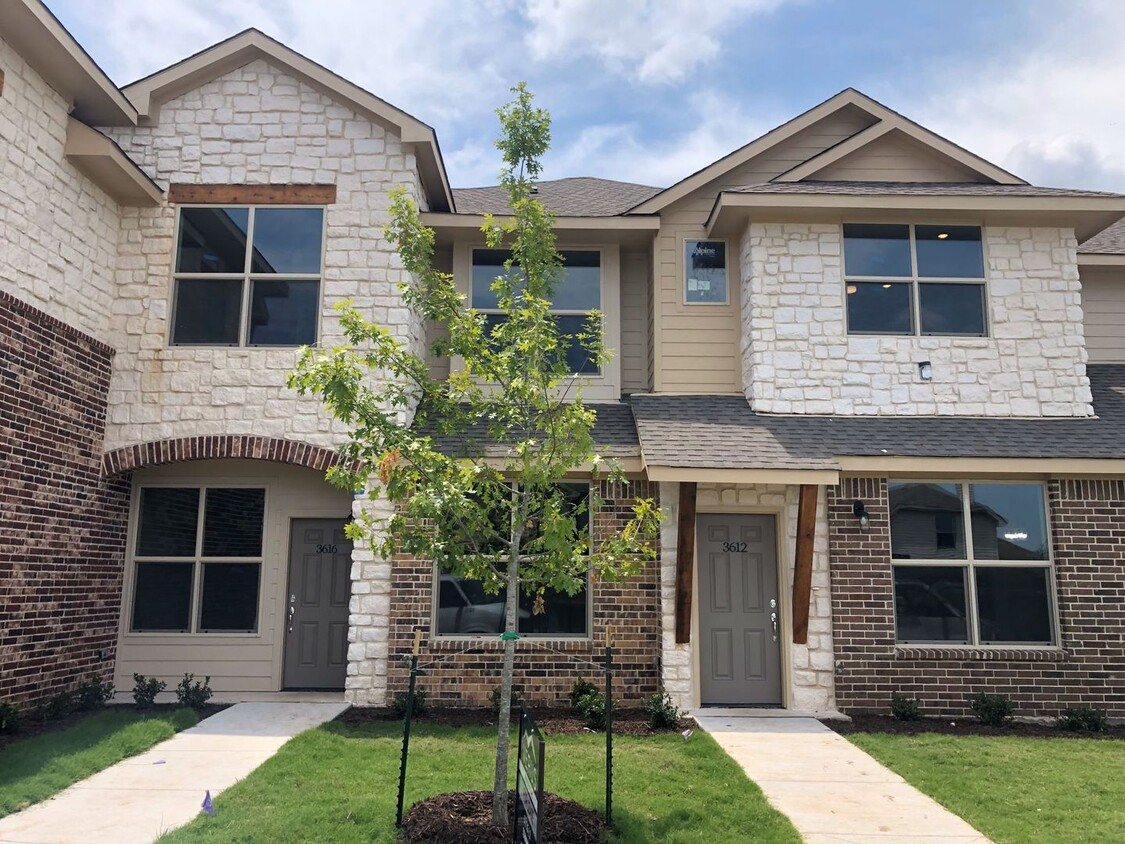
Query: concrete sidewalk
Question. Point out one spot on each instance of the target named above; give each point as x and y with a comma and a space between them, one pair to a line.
139, 799
832, 791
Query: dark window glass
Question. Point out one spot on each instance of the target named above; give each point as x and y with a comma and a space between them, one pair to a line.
578, 287
207, 312
162, 600
577, 357
879, 308
168, 519
488, 265
926, 521
287, 240
212, 240
1009, 521
1013, 605
930, 604
705, 271
230, 597
952, 308
283, 313
232, 523
876, 250
949, 252
466, 609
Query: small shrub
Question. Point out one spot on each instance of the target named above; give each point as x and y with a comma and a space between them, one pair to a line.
905, 708
662, 713
94, 693
592, 707
10, 719
61, 705
421, 704
580, 690
192, 693
1084, 719
145, 690
992, 710
517, 697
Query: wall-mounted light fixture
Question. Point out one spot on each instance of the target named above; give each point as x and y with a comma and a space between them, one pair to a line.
860, 513
926, 371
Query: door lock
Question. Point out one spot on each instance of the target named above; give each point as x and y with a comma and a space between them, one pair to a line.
773, 618
292, 610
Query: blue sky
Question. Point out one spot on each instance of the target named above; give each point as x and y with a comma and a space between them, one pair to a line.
651, 90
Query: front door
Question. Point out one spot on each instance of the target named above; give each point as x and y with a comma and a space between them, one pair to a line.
739, 619
316, 637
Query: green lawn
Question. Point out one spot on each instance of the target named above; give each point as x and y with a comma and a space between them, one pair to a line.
36, 768
1013, 790
338, 783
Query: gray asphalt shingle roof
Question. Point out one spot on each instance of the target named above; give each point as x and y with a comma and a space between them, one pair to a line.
577, 197
1109, 241
708, 431
844, 188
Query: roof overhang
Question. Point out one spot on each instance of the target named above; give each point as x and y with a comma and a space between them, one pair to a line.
961, 467
108, 166
1100, 259
627, 230
825, 477
1088, 215
45, 44
149, 93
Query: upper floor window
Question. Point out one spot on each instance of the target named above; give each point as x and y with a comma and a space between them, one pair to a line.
972, 563
247, 276
705, 272
915, 279
577, 292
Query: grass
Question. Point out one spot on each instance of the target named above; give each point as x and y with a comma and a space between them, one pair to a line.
339, 783
1015, 789
34, 769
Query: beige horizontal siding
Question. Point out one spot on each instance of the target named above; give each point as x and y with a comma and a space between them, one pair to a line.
896, 158
635, 284
1103, 301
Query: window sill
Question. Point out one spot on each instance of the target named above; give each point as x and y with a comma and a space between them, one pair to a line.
491, 642
986, 653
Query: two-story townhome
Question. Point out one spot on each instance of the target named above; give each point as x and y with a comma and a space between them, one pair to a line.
874, 381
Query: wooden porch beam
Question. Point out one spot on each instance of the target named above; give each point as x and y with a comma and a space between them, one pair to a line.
802, 570
685, 561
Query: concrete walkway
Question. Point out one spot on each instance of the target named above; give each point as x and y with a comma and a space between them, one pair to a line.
139, 799
832, 791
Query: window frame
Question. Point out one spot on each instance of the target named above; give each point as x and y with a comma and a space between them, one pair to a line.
435, 596
600, 372
197, 561
970, 564
914, 281
246, 277
684, 240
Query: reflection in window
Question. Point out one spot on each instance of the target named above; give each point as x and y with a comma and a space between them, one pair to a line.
705, 272
880, 308
227, 290
1006, 523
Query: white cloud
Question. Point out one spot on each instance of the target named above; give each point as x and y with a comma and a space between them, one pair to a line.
652, 41
1051, 111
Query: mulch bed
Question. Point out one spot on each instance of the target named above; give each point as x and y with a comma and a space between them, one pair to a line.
465, 817
34, 725
626, 722
963, 727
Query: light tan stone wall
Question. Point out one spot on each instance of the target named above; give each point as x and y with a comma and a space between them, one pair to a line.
798, 358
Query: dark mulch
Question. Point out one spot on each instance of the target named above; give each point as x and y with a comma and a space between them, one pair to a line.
35, 724
963, 727
465, 817
626, 722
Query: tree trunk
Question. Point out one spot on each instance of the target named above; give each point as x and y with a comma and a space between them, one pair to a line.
511, 625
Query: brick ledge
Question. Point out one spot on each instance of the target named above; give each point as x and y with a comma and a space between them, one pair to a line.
160, 452
981, 654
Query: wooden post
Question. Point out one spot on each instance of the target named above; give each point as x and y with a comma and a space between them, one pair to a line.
685, 561
802, 570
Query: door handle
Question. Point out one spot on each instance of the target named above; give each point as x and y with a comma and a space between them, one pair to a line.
773, 618
293, 611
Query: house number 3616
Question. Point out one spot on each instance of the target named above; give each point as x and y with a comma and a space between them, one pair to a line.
734, 547
326, 549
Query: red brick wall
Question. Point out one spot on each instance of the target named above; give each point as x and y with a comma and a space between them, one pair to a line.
1088, 525
62, 527
631, 608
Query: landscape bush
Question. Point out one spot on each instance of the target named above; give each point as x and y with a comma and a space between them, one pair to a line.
993, 710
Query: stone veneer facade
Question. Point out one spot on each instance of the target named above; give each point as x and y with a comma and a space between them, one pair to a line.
798, 358
1088, 666
253, 125
546, 669
63, 537
810, 671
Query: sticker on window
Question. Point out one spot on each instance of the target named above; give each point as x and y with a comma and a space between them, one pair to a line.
705, 272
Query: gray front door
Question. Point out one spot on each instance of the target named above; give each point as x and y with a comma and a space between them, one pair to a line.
316, 637
739, 651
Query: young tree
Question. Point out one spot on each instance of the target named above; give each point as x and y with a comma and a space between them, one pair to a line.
493, 511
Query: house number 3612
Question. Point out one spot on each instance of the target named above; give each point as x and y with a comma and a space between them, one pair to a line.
734, 547
326, 549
